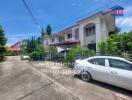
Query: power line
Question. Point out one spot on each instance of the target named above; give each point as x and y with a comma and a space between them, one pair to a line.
31, 13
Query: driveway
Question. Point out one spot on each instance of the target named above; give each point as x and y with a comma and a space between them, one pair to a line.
23, 80
83, 90
18, 81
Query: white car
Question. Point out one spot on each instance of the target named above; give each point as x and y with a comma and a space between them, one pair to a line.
112, 70
25, 57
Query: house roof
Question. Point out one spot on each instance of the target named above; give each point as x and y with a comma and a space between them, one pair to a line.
63, 31
68, 28
101, 12
117, 7
16, 44
77, 23
65, 43
12, 49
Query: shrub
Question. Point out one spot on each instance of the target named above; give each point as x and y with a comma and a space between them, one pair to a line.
84, 51
34, 55
51, 53
117, 44
74, 52
70, 57
127, 55
2, 53
10, 53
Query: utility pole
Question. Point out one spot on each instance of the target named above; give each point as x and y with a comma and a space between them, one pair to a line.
35, 20
42, 38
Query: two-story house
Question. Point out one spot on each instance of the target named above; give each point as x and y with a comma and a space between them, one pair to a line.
86, 32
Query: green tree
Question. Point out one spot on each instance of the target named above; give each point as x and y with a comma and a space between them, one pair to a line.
48, 30
33, 47
117, 29
117, 44
23, 46
103, 47
2, 44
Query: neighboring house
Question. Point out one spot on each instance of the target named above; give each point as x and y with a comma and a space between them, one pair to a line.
12, 49
87, 32
16, 47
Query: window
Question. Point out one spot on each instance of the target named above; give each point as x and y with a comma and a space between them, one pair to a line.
69, 36
77, 33
97, 61
53, 40
93, 30
120, 64
90, 31
61, 39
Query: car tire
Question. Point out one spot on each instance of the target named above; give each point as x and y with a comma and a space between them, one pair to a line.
86, 76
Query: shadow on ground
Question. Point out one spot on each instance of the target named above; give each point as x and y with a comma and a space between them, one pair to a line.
110, 87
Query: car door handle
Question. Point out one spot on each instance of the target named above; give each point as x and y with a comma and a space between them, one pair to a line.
113, 72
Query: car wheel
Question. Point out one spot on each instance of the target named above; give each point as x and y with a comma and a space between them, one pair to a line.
86, 76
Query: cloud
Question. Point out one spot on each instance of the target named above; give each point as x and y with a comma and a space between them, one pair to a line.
23, 34
76, 3
126, 21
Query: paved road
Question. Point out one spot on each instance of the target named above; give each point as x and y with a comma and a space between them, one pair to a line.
18, 81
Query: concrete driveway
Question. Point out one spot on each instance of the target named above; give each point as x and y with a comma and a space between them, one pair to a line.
22, 80
83, 90
18, 81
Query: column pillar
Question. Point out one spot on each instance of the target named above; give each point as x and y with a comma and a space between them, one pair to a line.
98, 35
81, 35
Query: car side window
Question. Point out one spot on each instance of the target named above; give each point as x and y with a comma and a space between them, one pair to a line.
120, 64
97, 61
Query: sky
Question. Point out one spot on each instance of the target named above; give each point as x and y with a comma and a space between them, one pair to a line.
19, 25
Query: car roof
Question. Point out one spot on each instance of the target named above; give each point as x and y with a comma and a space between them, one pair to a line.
110, 57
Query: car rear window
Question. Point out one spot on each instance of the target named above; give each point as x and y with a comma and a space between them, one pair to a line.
97, 61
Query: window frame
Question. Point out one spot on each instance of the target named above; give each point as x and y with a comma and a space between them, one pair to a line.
96, 61
61, 39
90, 31
69, 35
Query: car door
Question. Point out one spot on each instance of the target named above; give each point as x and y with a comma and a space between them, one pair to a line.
121, 73
99, 70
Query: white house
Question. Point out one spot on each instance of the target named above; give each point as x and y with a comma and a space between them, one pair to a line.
87, 32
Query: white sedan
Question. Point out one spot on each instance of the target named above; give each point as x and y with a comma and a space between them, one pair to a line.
112, 70
25, 57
